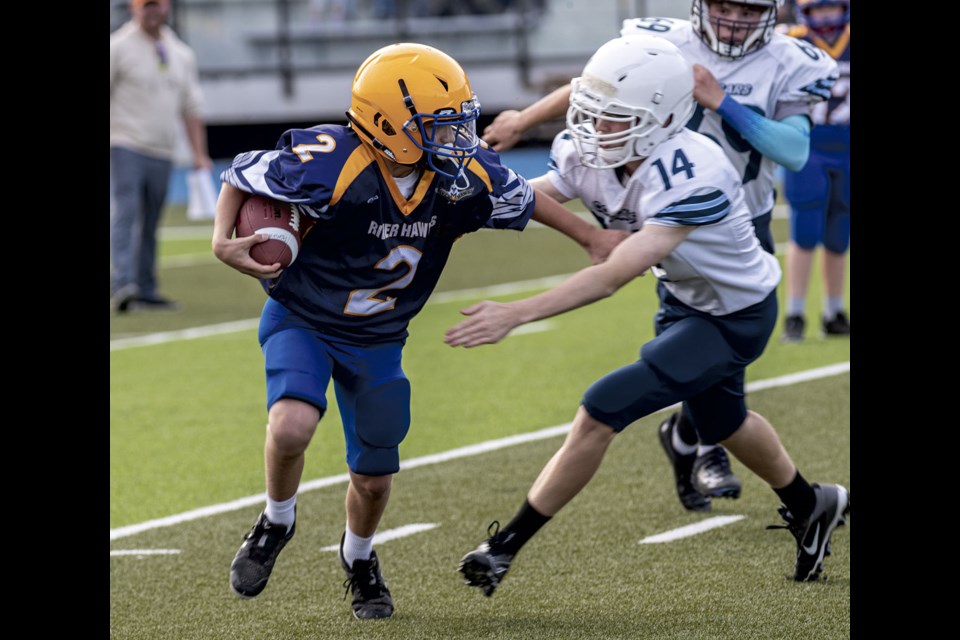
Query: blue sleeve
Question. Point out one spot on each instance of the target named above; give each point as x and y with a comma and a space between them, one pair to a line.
786, 142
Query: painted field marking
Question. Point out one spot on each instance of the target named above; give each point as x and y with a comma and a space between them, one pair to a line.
222, 328
692, 529
533, 327
143, 552
392, 534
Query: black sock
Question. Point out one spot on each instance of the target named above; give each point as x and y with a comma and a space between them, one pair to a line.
798, 496
686, 431
525, 523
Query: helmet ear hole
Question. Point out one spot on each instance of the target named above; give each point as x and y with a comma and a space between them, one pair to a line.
384, 125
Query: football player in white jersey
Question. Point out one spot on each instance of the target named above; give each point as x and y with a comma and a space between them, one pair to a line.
627, 152
755, 90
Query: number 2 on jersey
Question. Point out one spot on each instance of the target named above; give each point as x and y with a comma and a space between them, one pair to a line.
364, 302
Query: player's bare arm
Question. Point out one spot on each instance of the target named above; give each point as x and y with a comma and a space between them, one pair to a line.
490, 321
236, 253
596, 241
507, 128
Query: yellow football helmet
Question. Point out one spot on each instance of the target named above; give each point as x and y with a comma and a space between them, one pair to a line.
413, 103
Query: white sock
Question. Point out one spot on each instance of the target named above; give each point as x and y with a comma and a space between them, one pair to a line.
355, 547
834, 305
281, 512
796, 306
704, 449
680, 446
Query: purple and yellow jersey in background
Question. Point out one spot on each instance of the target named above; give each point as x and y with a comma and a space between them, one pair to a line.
372, 258
836, 110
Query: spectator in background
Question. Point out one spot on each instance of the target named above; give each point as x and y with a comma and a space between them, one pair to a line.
819, 193
153, 86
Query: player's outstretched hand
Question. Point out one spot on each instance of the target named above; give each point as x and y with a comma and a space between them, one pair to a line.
489, 322
236, 253
504, 132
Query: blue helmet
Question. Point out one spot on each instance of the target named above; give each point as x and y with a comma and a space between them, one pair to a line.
821, 26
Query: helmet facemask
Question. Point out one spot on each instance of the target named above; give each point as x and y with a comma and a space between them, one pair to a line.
445, 137
758, 32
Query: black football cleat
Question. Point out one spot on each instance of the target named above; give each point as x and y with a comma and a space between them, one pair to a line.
254, 561
813, 535
371, 597
793, 328
690, 498
487, 565
838, 325
712, 475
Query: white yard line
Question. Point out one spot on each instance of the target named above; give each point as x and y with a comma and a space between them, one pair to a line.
692, 529
392, 534
207, 331
184, 334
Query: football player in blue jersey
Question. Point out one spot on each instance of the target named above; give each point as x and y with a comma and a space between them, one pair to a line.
755, 90
387, 196
819, 193
626, 146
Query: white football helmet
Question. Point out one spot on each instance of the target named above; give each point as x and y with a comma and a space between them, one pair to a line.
640, 79
759, 34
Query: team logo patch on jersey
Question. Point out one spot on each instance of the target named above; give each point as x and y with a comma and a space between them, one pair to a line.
458, 189
623, 215
738, 88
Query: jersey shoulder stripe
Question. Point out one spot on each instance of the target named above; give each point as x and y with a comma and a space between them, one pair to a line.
360, 159
699, 209
476, 168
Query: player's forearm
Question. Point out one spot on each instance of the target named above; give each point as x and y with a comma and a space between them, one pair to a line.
551, 213
786, 142
582, 288
225, 220
550, 107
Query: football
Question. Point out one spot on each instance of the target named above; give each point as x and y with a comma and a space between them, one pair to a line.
279, 221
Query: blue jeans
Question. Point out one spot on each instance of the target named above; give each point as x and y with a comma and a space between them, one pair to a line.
138, 189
